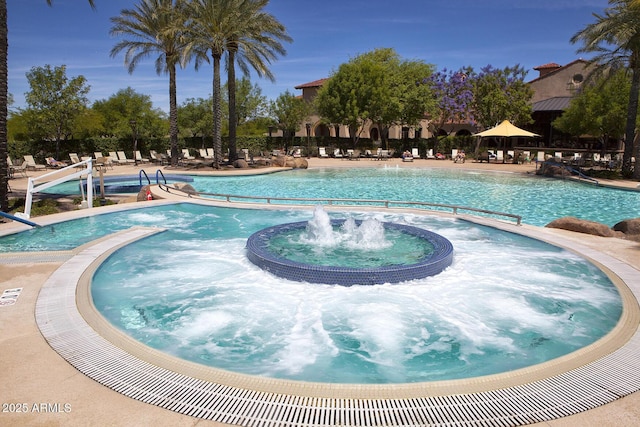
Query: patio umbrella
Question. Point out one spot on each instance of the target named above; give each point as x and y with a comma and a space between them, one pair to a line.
506, 129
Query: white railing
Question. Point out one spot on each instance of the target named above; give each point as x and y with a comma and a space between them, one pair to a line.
33, 188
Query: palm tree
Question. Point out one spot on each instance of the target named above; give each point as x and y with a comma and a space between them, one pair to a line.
4, 89
213, 21
155, 26
615, 39
255, 44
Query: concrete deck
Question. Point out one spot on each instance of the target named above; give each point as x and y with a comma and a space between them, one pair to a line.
41, 388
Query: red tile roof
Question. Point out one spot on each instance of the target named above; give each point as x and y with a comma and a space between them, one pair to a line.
546, 66
315, 83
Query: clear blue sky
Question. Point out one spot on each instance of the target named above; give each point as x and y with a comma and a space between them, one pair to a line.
447, 33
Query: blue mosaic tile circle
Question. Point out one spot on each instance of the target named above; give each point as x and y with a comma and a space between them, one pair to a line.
430, 265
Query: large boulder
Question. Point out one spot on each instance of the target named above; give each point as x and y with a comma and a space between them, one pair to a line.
186, 188
144, 194
241, 164
278, 161
290, 162
582, 226
630, 227
300, 163
552, 169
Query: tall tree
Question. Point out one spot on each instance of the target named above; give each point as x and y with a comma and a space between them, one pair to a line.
376, 87
4, 74
255, 44
54, 103
213, 23
289, 112
119, 108
154, 26
614, 37
453, 91
599, 109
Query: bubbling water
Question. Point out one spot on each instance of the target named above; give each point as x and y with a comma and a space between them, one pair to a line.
369, 235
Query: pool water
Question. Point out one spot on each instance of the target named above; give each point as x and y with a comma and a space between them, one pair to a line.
397, 248
538, 200
505, 303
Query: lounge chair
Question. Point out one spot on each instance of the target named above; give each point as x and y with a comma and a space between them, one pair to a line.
415, 153
13, 168
500, 156
31, 163
114, 158
384, 155
354, 155
430, 154
205, 155
322, 152
139, 157
246, 156
454, 153
337, 153
122, 158
186, 155
102, 160
53, 163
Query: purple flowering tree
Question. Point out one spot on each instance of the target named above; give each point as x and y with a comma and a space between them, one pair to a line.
453, 91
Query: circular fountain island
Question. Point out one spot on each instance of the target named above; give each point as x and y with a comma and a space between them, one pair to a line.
349, 252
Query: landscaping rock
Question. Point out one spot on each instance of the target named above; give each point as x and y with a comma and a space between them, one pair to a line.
142, 194
629, 227
241, 164
187, 188
552, 169
300, 163
582, 226
278, 161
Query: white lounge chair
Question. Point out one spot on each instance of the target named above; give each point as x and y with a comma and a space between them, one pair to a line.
415, 153
337, 153
139, 157
31, 163
122, 157
322, 152
186, 155
430, 154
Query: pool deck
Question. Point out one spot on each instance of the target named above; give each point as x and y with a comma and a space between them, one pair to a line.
41, 388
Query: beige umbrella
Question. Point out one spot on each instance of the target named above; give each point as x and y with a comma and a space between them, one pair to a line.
506, 129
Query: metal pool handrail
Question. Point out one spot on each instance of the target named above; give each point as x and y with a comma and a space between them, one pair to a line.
376, 202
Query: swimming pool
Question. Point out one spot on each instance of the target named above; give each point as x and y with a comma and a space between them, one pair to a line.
192, 293
538, 200
117, 184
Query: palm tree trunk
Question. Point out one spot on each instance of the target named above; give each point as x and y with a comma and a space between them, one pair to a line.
217, 113
173, 115
632, 112
231, 85
4, 200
